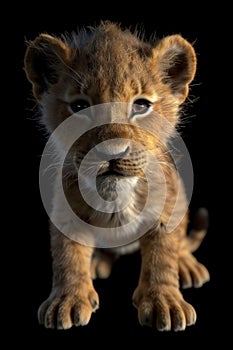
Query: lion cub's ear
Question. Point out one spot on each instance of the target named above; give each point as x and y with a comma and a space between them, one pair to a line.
44, 62
175, 59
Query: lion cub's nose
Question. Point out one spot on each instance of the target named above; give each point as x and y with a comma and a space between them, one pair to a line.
112, 149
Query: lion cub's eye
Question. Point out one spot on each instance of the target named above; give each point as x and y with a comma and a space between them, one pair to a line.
78, 105
140, 106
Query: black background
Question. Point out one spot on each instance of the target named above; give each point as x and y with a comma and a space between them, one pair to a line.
116, 318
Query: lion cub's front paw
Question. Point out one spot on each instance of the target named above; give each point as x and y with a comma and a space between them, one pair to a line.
62, 311
191, 272
164, 308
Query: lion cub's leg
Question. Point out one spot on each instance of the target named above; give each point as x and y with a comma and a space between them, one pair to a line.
101, 264
157, 297
73, 297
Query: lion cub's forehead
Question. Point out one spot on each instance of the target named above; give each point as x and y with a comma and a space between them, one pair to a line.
109, 61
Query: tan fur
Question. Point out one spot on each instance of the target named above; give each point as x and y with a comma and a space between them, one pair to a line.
112, 65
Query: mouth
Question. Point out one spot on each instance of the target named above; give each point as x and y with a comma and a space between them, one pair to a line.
109, 173
115, 169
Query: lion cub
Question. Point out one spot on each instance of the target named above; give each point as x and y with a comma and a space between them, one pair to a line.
120, 189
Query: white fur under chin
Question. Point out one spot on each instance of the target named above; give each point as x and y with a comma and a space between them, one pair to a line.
109, 194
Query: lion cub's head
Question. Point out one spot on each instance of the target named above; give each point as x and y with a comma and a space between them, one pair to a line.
125, 94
